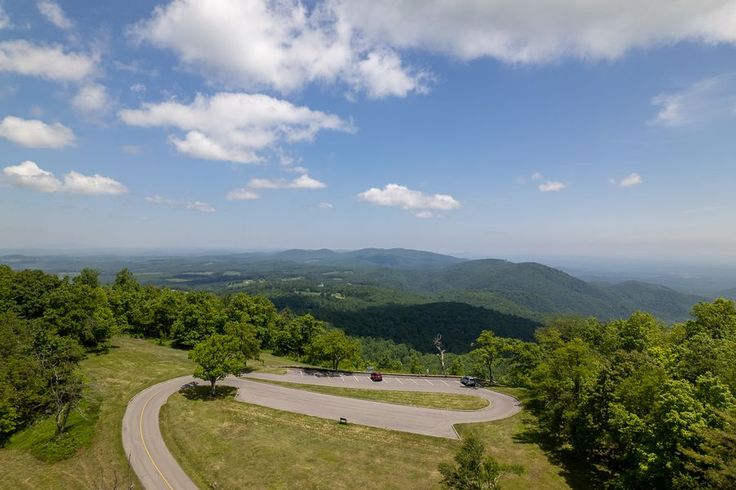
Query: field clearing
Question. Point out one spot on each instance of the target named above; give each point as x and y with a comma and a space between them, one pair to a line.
227, 444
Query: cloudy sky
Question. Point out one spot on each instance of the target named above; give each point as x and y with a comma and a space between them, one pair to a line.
491, 127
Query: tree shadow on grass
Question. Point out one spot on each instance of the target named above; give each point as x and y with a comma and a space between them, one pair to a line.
577, 473
203, 393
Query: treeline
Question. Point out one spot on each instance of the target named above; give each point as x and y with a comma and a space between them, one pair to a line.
644, 405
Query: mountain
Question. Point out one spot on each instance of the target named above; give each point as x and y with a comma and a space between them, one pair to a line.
393, 258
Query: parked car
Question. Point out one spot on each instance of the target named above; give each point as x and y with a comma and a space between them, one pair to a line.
376, 376
469, 381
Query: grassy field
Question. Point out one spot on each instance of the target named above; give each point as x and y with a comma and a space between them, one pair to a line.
240, 445
445, 401
130, 366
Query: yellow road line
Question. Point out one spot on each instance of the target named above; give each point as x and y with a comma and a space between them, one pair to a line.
145, 448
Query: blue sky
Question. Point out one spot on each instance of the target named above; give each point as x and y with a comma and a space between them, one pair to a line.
493, 129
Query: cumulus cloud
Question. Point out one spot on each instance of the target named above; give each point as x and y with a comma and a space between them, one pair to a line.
92, 99
708, 99
200, 206
530, 31
420, 204
52, 62
234, 127
53, 13
551, 186
281, 45
31, 176
325, 205
628, 181
33, 133
248, 192
4, 19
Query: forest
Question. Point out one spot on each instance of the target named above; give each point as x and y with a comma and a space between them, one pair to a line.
638, 403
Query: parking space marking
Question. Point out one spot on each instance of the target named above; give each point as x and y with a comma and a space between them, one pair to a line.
444, 382
356, 379
428, 381
399, 381
414, 381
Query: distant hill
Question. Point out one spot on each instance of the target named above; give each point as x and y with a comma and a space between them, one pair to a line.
376, 277
458, 323
393, 258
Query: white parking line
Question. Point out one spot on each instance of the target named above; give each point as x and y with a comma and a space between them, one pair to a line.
444, 382
356, 379
301, 373
414, 381
428, 381
399, 381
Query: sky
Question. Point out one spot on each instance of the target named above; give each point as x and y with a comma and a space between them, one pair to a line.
485, 127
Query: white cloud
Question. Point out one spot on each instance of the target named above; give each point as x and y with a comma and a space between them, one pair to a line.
138, 88
551, 186
132, 149
200, 206
629, 181
33, 133
234, 127
325, 205
92, 185
707, 99
91, 98
304, 181
54, 14
242, 194
31, 176
4, 19
276, 44
50, 62
533, 177
248, 192
530, 31
416, 201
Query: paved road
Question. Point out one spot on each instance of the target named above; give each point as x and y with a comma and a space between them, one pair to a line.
157, 469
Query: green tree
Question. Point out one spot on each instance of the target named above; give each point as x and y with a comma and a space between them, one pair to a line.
217, 357
82, 312
473, 468
334, 346
247, 337
258, 311
488, 349
201, 315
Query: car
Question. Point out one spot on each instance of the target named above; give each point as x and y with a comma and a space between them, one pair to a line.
376, 376
469, 381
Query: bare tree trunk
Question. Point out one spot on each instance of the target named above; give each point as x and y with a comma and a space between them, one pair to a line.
213, 390
440, 351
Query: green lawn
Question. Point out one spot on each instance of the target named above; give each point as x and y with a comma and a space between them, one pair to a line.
227, 444
445, 401
129, 367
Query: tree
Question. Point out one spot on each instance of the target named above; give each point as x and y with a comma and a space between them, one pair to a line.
489, 348
201, 315
59, 359
334, 346
217, 357
473, 468
250, 346
437, 341
258, 311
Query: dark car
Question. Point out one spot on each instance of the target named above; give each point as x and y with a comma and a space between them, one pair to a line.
376, 376
469, 381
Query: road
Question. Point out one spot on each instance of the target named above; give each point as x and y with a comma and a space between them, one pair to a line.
157, 469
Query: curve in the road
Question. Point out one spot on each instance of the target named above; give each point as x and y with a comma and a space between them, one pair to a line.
157, 469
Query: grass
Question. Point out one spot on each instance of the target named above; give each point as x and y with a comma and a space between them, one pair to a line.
223, 443
94, 433
444, 401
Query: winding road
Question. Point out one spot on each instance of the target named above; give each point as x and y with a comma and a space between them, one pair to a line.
157, 469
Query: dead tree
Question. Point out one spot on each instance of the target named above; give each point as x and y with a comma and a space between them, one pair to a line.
440, 351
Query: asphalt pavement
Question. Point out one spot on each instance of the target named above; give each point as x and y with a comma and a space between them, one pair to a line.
158, 470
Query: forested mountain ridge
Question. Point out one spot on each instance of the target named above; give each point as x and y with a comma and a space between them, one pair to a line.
336, 280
